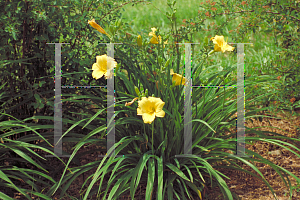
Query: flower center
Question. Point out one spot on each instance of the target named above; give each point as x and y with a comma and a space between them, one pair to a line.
152, 110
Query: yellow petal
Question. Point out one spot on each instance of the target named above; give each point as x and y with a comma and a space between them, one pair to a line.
107, 75
97, 74
101, 59
154, 40
148, 118
152, 33
229, 48
217, 48
155, 101
142, 103
160, 113
159, 106
139, 111
95, 66
219, 40
153, 29
171, 72
177, 78
159, 37
110, 63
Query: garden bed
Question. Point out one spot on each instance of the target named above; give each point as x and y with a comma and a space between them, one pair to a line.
248, 187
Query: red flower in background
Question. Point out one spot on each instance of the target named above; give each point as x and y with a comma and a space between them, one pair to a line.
278, 77
207, 14
243, 3
213, 9
293, 99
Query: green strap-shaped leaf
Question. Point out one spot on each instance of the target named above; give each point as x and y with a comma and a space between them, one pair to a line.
160, 178
4, 196
177, 171
4, 177
194, 187
138, 173
150, 182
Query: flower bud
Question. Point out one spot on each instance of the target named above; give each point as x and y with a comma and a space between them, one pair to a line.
137, 91
118, 66
206, 40
167, 63
112, 29
139, 40
119, 22
159, 60
96, 26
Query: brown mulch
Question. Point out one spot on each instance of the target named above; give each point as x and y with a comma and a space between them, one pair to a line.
248, 187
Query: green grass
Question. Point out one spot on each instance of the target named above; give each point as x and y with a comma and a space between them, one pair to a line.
145, 16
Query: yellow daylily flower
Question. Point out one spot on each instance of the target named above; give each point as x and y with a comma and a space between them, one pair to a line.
100, 67
220, 44
177, 78
155, 39
150, 108
152, 33
97, 26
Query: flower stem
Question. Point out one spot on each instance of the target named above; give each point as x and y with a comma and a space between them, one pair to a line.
145, 134
152, 136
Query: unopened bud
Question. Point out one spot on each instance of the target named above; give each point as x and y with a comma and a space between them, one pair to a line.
137, 91
139, 40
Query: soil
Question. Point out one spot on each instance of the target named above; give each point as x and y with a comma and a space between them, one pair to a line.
248, 187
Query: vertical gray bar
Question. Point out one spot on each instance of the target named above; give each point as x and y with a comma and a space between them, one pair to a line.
188, 102
57, 103
110, 102
240, 101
